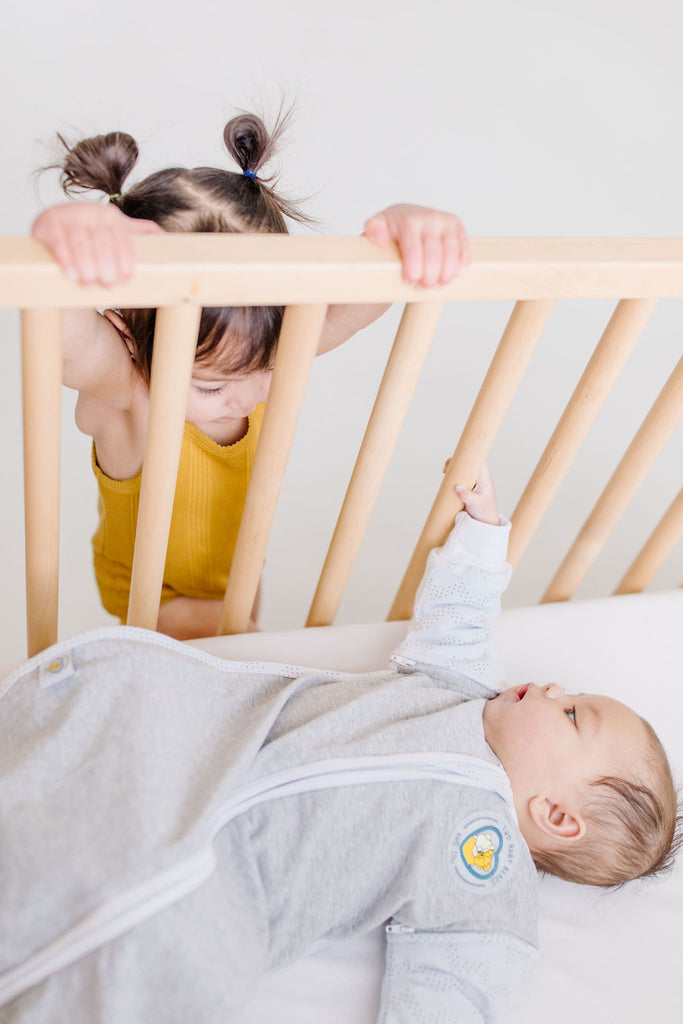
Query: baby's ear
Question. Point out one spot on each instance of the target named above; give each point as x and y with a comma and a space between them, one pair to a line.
556, 821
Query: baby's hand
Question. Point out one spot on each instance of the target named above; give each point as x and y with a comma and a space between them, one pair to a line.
480, 502
91, 243
434, 246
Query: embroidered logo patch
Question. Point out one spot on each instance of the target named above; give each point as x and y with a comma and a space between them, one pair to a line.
482, 852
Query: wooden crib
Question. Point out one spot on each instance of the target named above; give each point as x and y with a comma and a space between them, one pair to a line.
594, 962
180, 274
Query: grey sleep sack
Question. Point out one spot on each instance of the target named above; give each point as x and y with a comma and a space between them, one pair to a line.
174, 824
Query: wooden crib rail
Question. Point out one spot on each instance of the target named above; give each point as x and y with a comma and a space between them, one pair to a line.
181, 273
254, 270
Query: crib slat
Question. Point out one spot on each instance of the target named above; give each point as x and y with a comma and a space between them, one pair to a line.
507, 367
403, 369
298, 343
656, 550
655, 431
175, 342
608, 360
42, 400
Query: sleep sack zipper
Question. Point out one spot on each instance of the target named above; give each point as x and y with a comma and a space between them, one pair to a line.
399, 929
128, 909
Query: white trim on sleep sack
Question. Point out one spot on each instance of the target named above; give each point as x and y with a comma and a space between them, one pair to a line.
147, 636
124, 912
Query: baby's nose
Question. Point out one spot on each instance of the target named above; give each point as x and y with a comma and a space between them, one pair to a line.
552, 691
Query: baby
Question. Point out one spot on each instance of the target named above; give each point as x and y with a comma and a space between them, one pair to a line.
179, 824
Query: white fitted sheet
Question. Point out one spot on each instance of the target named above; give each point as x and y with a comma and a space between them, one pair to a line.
605, 956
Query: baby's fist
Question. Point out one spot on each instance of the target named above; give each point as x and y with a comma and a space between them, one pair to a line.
480, 502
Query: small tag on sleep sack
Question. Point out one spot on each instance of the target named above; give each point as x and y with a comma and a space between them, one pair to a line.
57, 670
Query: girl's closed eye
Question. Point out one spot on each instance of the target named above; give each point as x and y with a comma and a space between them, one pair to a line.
571, 714
216, 389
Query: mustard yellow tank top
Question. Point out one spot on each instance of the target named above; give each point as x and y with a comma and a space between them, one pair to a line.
209, 498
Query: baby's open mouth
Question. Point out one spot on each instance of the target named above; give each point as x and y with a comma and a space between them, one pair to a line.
523, 690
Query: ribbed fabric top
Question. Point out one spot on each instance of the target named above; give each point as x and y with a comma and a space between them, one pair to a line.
209, 498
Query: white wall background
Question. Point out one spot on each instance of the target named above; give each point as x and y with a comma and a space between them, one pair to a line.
527, 119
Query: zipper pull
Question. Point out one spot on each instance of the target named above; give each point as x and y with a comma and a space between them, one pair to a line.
406, 662
399, 929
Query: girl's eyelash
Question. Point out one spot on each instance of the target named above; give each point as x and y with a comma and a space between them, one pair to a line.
210, 391
571, 714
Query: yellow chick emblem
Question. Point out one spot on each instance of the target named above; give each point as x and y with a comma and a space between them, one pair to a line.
478, 851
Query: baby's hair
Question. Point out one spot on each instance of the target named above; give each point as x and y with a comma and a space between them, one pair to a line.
203, 199
633, 829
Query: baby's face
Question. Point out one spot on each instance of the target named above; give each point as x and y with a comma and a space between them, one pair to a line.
553, 744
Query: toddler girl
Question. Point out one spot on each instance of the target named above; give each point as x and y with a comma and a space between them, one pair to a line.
107, 357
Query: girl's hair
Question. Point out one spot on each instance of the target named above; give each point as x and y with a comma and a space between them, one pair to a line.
198, 199
634, 829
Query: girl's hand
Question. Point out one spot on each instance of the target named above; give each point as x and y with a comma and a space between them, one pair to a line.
434, 246
480, 502
91, 243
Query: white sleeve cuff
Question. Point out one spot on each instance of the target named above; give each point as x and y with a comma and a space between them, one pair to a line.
477, 543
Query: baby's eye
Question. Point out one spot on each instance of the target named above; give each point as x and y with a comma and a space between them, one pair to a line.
571, 714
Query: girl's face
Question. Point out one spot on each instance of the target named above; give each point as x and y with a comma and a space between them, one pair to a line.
217, 398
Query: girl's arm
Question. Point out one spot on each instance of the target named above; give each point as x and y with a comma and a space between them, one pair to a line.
92, 244
434, 249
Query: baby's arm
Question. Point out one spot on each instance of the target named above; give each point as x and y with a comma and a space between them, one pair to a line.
434, 249
459, 596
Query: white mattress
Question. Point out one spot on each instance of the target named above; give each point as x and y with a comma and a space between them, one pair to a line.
605, 957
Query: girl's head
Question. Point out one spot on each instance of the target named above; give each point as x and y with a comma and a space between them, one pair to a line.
234, 340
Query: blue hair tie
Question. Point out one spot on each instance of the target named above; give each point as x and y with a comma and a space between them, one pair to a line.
250, 174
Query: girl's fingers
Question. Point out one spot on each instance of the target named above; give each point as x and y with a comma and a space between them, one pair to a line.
453, 257
411, 244
464, 244
433, 259
91, 243
83, 254
434, 246
143, 227
377, 228
126, 256
108, 249
59, 245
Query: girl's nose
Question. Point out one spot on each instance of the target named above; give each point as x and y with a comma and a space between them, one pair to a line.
552, 691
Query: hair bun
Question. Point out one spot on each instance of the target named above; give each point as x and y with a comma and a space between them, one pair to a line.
102, 162
249, 142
